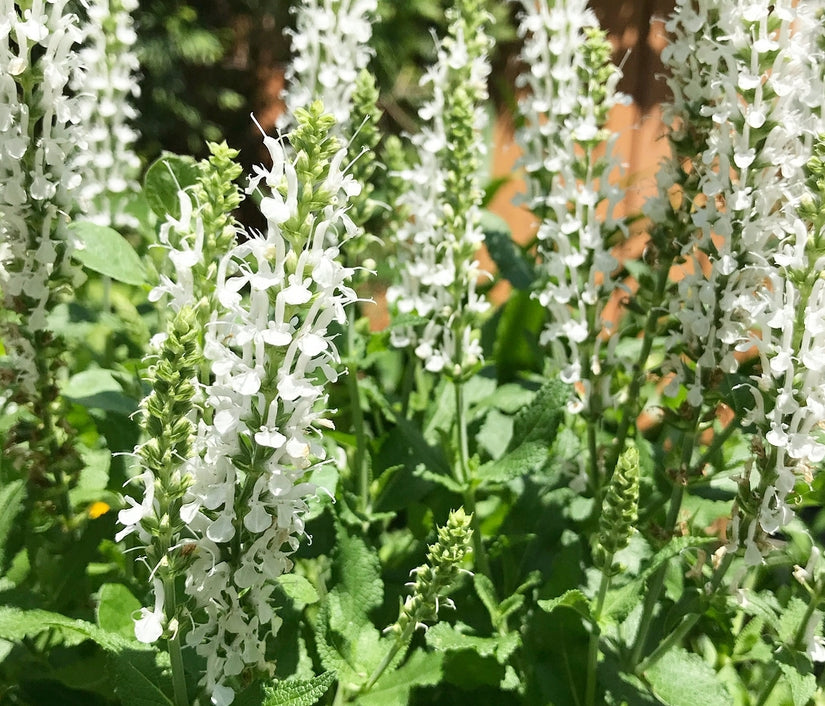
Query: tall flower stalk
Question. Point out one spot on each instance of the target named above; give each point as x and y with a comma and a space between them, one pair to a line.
271, 352
568, 159
106, 87
39, 135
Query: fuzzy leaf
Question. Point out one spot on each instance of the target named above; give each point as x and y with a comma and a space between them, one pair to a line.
17, 624
298, 588
393, 688
96, 388
680, 678
507, 255
297, 692
115, 607
164, 178
138, 679
106, 251
445, 637
574, 599
12, 495
798, 675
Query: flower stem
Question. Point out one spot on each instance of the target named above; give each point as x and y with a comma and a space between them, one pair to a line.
173, 642
397, 644
360, 467
593, 646
463, 476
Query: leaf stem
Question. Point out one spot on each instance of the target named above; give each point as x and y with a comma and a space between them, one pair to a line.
360, 467
173, 643
593, 645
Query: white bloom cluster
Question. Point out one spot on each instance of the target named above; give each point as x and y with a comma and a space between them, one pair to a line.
571, 87
330, 47
438, 245
740, 64
271, 352
38, 137
106, 87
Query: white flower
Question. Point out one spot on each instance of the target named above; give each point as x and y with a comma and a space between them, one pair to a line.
330, 46
149, 626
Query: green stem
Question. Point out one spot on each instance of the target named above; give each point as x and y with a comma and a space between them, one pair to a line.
175, 652
656, 583
463, 476
407, 383
400, 641
360, 467
687, 623
639, 366
593, 646
718, 441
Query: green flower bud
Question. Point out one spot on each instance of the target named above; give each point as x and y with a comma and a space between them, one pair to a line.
620, 510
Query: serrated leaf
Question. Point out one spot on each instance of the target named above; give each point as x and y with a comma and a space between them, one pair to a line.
12, 495
439, 478
359, 572
619, 602
298, 588
298, 692
574, 599
106, 251
164, 178
541, 418
526, 459
680, 678
446, 638
17, 624
486, 591
115, 608
798, 676
138, 679
511, 262
393, 688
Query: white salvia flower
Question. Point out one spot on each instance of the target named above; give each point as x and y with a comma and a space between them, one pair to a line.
38, 138
571, 88
149, 626
330, 47
106, 87
437, 246
271, 351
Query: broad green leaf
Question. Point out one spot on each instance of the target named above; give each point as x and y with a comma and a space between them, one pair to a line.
432, 457
298, 589
298, 692
444, 637
439, 478
515, 340
359, 574
798, 675
574, 599
393, 688
12, 495
495, 433
164, 178
510, 398
511, 262
115, 608
106, 251
680, 678
138, 679
97, 388
17, 624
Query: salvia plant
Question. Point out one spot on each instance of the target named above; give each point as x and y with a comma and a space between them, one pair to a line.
568, 476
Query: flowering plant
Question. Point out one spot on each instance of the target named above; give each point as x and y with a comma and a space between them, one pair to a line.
223, 483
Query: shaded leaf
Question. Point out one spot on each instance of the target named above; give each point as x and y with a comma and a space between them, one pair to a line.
164, 178
115, 608
574, 599
12, 495
680, 678
298, 692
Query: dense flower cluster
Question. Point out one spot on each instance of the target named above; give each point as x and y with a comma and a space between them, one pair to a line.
106, 86
747, 250
271, 352
330, 49
438, 245
571, 88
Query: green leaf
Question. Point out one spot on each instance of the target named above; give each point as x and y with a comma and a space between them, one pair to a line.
97, 388
297, 692
17, 624
393, 688
115, 608
445, 637
298, 588
798, 676
680, 678
511, 262
359, 574
138, 679
164, 178
515, 343
486, 591
574, 599
12, 495
106, 251
534, 430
